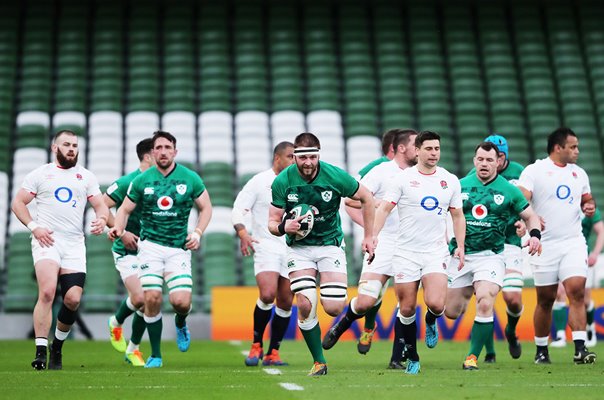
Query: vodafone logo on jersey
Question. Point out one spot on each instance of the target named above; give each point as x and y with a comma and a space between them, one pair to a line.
165, 203
479, 211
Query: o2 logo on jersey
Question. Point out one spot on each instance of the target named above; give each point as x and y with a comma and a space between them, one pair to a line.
479, 211
65, 195
563, 193
165, 203
430, 203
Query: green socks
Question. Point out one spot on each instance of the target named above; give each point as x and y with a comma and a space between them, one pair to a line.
312, 338
154, 327
482, 330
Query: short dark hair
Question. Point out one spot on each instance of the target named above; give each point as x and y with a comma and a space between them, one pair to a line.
144, 147
388, 139
488, 146
307, 139
279, 148
402, 136
425, 135
63, 132
558, 137
165, 135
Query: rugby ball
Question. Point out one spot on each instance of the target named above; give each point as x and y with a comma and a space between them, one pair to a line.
307, 222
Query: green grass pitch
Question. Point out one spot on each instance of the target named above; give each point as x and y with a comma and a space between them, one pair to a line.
215, 370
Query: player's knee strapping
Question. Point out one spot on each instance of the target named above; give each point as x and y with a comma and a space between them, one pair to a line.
152, 282
335, 291
307, 287
372, 288
180, 282
67, 281
66, 315
513, 282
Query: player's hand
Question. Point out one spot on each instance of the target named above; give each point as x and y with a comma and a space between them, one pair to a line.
461, 254
130, 240
114, 233
377, 203
43, 236
534, 246
193, 242
293, 225
97, 226
520, 228
246, 244
589, 209
592, 259
368, 246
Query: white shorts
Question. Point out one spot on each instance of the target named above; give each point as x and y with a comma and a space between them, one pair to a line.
410, 266
69, 253
481, 266
321, 258
382, 263
559, 261
161, 261
268, 261
126, 265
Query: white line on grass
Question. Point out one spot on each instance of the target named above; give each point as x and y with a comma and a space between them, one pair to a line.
235, 342
290, 386
272, 371
244, 352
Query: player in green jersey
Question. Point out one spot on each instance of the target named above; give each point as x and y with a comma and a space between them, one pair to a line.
560, 309
165, 194
387, 151
321, 186
513, 281
125, 251
489, 202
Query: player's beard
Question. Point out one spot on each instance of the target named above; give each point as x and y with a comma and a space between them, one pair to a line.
307, 172
66, 163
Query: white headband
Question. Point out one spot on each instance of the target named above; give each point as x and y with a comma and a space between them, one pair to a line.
303, 151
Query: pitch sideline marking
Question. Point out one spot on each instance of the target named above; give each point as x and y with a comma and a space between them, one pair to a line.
290, 386
272, 371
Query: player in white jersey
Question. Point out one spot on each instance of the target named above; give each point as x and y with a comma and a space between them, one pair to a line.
423, 195
559, 191
61, 190
270, 264
375, 275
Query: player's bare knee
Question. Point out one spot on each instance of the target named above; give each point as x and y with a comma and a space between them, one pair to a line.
137, 300
267, 296
484, 305
46, 295
333, 308
364, 304
72, 302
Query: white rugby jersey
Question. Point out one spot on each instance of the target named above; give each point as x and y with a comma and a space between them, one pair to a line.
61, 196
256, 197
377, 181
422, 202
557, 193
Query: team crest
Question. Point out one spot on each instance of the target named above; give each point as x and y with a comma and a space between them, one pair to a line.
498, 198
79, 176
443, 184
326, 195
575, 175
181, 189
465, 196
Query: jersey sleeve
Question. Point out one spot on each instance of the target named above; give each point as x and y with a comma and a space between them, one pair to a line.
348, 185
92, 188
198, 186
370, 181
134, 190
31, 182
586, 187
519, 202
247, 196
456, 201
117, 190
527, 178
393, 191
597, 216
278, 189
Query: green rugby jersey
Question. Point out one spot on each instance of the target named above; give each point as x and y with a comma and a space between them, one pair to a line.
372, 164
587, 224
117, 192
488, 208
511, 173
165, 203
323, 193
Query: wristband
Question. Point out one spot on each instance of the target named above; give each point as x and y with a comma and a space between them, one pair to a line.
281, 227
195, 235
32, 225
198, 231
535, 233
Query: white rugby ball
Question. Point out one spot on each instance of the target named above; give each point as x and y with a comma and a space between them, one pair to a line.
307, 222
